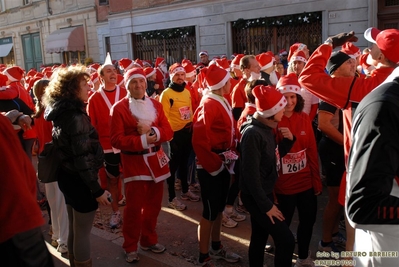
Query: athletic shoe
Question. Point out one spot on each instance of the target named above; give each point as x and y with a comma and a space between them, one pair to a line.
132, 257
115, 220
269, 247
236, 216
190, 196
308, 262
177, 184
242, 209
177, 205
227, 222
223, 254
330, 247
62, 248
195, 187
54, 243
157, 248
339, 240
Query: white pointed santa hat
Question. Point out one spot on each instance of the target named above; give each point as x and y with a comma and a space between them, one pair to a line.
133, 73
216, 77
289, 84
108, 60
14, 73
268, 100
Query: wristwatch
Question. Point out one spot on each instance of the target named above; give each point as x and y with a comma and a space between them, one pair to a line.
152, 132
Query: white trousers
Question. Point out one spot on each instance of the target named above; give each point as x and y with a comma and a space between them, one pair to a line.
59, 215
374, 244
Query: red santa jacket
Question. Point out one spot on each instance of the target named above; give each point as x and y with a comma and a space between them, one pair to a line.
19, 210
238, 96
212, 132
300, 167
124, 136
98, 110
161, 80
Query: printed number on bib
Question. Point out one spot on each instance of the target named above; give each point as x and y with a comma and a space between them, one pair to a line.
185, 113
162, 158
294, 162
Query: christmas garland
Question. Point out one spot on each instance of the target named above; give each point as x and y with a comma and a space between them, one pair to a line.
296, 19
169, 33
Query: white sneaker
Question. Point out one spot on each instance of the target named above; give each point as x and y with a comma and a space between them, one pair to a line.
227, 222
190, 196
305, 262
115, 220
62, 248
177, 205
195, 187
236, 217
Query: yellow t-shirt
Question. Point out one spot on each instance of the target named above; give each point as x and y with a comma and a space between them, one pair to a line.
177, 107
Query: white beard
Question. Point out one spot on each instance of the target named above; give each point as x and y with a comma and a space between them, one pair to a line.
143, 110
273, 77
163, 68
254, 76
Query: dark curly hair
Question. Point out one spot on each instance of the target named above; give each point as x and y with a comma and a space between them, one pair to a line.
65, 84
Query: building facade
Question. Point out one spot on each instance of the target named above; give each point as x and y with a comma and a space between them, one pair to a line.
42, 32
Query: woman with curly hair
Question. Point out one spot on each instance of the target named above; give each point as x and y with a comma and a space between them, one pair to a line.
81, 155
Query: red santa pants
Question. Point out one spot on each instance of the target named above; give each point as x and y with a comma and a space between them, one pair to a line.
143, 203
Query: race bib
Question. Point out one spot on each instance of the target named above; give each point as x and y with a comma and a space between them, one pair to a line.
162, 158
294, 162
185, 113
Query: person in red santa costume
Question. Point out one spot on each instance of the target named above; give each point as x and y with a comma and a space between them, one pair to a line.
213, 131
162, 74
98, 109
138, 127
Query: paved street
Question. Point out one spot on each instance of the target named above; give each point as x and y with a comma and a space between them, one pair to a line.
178, 232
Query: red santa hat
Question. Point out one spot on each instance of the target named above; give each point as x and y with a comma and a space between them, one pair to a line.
125, 63
265, 61
351, 50
298, 56
94, 77
216, 77
203, 53
147, 63
295, 47
159, 61
38, 76
235, 63
189, 68
47, 74
388, 43
283, 52
132, 74
268, 100
289, 84
14, 74
223, 63
31, 72
119, 80
138, 63
175, 68
149, 71
93, 67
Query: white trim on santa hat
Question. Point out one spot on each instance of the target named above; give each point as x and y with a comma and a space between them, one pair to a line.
190, 74
290, 89
10, 78
298, 58
137, 75
151, 73
355, 55
176, 70
221, 83
130, 66
275, 109
268, 65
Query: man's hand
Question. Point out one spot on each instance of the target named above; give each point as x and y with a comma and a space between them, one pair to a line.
25, 122
12, 115
341, 38
151, 138
143, 128
275, 212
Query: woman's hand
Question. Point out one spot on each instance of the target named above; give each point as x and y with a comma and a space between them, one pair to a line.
103, 199
275, 212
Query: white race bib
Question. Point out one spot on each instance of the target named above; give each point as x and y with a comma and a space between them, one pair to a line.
162, 158
294, 162
185, 113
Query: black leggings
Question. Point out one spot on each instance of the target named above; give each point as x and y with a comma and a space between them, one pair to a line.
261, 227
306, 203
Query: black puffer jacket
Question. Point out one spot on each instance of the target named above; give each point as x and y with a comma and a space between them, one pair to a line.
77, 141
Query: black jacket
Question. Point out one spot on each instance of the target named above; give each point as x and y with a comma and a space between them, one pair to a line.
77, 141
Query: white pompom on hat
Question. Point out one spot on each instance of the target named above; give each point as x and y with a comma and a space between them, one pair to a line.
268, 100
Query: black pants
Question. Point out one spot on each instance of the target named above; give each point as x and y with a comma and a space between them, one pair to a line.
261, 227
26, 249
306, 203
180, 148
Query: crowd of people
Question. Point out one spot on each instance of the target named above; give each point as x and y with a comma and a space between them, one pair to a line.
243, 135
